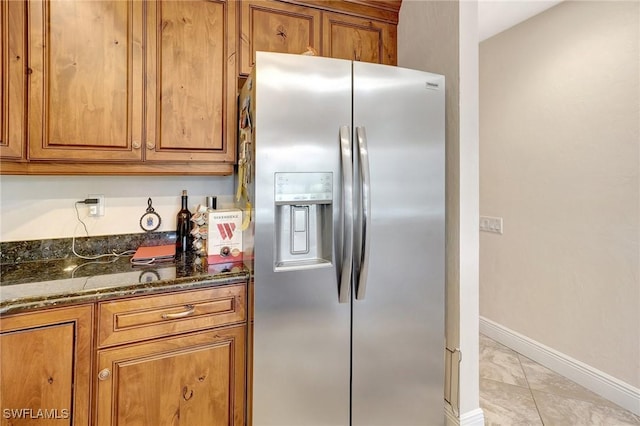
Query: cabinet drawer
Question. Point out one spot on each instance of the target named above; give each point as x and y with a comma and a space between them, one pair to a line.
146, 317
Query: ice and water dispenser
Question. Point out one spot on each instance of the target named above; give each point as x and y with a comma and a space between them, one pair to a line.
303, 222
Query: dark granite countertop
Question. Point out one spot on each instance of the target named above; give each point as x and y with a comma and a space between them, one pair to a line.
46, 283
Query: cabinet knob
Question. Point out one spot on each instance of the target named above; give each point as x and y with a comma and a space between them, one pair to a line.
151, 145
104, 374
136, 145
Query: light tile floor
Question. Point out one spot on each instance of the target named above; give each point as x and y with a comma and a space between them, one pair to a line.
515, 390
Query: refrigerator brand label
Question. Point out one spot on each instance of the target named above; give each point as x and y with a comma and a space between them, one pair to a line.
432, 85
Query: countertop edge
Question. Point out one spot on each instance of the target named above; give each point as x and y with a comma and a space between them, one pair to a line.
94, 295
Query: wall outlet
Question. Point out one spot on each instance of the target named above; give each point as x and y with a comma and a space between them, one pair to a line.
96, 209
491, 224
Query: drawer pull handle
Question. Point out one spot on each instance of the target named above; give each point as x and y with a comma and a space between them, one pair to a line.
190, 309
104, 374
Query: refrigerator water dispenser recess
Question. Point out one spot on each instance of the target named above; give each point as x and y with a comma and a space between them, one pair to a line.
303, 223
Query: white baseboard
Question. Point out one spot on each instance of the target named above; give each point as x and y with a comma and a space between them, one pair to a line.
472, 418
597, 381
450, 418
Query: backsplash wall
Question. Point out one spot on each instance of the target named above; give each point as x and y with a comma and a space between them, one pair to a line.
42, 207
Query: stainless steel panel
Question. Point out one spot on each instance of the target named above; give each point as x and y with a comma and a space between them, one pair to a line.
301, 332
398, 328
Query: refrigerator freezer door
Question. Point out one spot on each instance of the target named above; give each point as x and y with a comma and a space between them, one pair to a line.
302, 331
398, 327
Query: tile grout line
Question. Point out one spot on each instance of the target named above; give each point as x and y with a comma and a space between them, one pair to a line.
518, 355
607, 408
520, 385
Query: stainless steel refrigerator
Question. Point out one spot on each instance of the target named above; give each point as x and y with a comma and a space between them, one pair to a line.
343, 163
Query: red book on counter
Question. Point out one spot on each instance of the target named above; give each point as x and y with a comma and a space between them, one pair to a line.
146, 255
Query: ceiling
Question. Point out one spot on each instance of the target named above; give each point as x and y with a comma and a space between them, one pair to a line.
495, 16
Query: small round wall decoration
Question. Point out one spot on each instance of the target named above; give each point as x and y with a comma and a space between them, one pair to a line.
150, 221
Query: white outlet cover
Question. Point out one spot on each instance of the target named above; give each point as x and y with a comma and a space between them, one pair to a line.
491, 224
96, 210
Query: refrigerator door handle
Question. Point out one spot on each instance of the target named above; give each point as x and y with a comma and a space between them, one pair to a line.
344, 284
365, 191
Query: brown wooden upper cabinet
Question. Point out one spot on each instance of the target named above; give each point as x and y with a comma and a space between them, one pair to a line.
86, 77
12, 80
103, 90
191, 81
273, 26
358, 39
359, 30
150, 87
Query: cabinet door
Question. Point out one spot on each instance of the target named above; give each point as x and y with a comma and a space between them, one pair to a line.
45, 362
359, 39
191, 85
12, 79
195, 379
85, 100
271, 26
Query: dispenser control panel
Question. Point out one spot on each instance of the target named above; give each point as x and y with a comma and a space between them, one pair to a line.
302, 187
303, 230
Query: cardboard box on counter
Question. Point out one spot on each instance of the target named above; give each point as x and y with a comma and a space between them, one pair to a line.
224, 236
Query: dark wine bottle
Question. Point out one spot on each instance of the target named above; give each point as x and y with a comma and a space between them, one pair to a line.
183, 229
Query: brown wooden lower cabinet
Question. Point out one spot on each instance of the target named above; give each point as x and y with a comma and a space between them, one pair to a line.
174, 359
192, 380
45, 367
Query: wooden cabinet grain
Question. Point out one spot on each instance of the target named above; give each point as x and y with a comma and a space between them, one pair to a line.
274, 26
191, 81
131, 87
142, 318
196, 379
128, 87
12, 80
86, 95
46, 360
358, 39
358, 30
173, 359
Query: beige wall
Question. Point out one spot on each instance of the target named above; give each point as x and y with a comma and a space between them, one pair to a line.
560, 162
428, 41
442, 37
